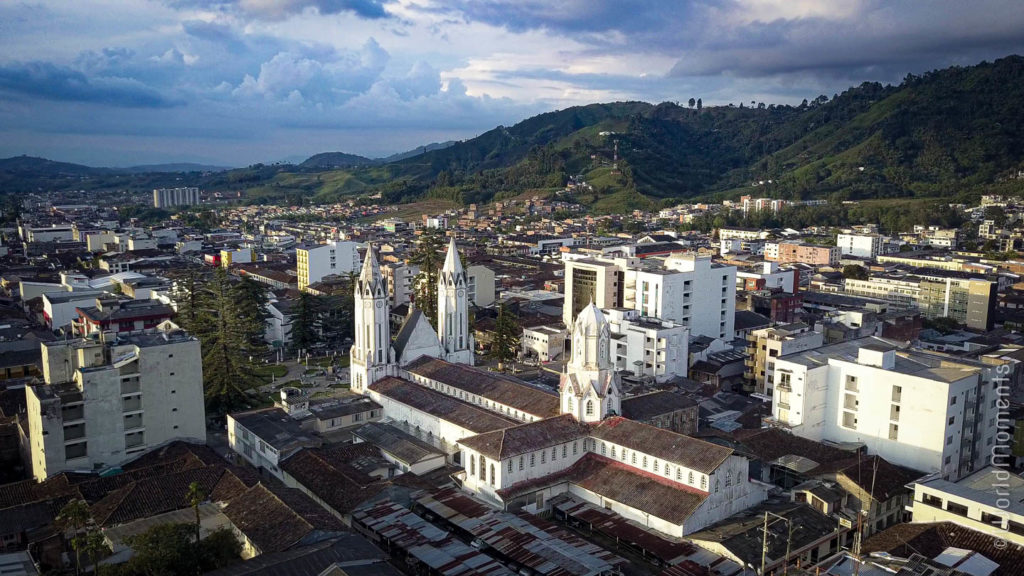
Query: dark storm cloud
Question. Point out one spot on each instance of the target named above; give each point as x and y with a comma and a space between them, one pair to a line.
51, 82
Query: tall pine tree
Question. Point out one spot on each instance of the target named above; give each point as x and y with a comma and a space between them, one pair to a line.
505, 346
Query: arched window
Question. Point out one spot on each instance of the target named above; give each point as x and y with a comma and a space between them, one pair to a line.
690, 479
483, 468
493, 475
590, 407
568, 404
645, 461
728, 478
543, 456
554, 453
655, 465
533, 459
472, 465
522, 460
668, 470
613, 451
634, 457
679, 474
703, 482
716, 485
603, 448
510, 466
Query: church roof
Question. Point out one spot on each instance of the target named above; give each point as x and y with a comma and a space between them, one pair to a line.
452, 264
371, 269
493, 386
696, 454
591, 316
405, 333
453, 410
511, 442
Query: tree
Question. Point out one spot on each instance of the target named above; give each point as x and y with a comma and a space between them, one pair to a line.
196, 495
699, 104
75, 517
228, 320
505, 345
169, 550
428, 257
692, 102
855, 272
306, 322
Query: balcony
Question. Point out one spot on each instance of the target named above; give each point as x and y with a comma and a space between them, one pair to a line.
72, 413
131, 387
784, 386
74, 432
131, 404
782, 405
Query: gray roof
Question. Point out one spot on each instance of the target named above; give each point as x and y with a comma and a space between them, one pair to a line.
403, 446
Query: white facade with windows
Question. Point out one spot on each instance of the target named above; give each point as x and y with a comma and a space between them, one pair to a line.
860, 245
315, 262
927, 412
648, 347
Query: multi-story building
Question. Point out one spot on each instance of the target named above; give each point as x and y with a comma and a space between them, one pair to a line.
543, 342
769, 277
798, 252
120, 315
988, 501
970, 301
860, 245
242, 255
742, 234
110, 397
927, 412
648, 347
480, 285
400, 278
686, 289
769, 344
336, 257
167, 197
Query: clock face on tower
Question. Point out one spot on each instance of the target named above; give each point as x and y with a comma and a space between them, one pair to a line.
462, 293
367, 304
380, 304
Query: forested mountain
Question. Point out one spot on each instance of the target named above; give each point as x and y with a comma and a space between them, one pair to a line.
947, 132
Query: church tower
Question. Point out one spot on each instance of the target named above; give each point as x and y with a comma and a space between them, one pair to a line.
453, 310
589, 387
371, 356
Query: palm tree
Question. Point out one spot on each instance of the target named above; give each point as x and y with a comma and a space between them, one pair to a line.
196, 496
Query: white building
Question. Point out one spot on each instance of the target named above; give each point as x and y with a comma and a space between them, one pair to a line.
686, 289
60, 308
770, 277
860, 245
543, 342
167, 197
55, 233
647, 346
480, 285
990, 501
315, 262
924, 411
109, 398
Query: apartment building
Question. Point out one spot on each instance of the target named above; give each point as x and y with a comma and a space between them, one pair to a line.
110, 397
658, 349
686, 289
167, 197
479, 286
335, 257
988, 501
860, 245
769, 344
798, 252
924, 411
742, 234
400, 278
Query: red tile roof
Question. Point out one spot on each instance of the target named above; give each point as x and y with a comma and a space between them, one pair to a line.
510, 442
664, 444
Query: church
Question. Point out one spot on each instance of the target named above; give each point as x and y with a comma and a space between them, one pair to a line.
521, 445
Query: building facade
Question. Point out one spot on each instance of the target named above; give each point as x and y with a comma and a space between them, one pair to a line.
312, 263
168, 197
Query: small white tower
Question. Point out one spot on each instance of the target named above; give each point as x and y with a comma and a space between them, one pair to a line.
453, 310
589, 387
371, 356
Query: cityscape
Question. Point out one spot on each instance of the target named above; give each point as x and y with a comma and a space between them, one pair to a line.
511, 329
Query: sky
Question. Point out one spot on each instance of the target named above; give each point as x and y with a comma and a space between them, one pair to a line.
234, 82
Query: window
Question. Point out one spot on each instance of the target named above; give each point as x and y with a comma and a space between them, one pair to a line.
554, 453
645, 461
634, 457
472, 465
590, 407
543, 456
716, 485
603, 448
492, 475
728, 478
655, 465
690, 479
668, 470
574, 448
563, 450
613, 451
703, 482
952, 401
522, 460
510, 466
952, 419
949, 440
533, 460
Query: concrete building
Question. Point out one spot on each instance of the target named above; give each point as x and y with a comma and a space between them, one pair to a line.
480, 285
925, 411
686, 289
769, 277
108, 398
648, 347
168, 197
969, 301
989, 501
60, 308
55, 233
400, 278
242, 255
768, 344
860, 245
314, 262
798, 252
545, 343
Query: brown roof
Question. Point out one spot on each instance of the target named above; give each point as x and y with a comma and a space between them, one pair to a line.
274, 520
932, 538
509, 442
769, 444
461, 413
641, 490
339, 485
493, 386
153, 496
676, 448
880, 478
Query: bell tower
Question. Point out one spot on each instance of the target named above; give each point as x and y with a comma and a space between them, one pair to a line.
371, 357
453, 310
589, 387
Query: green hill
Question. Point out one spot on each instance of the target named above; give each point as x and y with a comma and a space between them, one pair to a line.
953, 132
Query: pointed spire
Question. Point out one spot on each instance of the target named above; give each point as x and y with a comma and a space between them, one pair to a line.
371, 269
452, 263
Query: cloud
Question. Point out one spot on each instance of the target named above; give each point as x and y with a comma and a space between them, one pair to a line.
282, 9
51, 82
